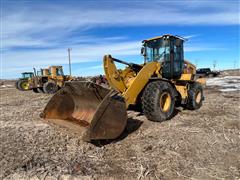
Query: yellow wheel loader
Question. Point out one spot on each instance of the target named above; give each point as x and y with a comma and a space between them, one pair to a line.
162, 82
49, 80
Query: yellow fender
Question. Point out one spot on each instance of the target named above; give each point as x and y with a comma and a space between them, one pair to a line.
140, 82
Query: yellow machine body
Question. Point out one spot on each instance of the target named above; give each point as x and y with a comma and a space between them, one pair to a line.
130, 84
52, 74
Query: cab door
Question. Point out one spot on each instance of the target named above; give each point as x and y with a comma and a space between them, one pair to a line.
173, 61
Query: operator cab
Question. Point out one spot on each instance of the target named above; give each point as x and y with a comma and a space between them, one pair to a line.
45, 72
56, 71
26, 75
168, 50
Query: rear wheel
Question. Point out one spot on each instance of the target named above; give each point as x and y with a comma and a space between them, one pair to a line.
50, 88
16, 84
23, 85
158, 101
195, 96
211, 75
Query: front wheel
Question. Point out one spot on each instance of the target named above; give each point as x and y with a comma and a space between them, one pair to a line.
158, 101
50, 88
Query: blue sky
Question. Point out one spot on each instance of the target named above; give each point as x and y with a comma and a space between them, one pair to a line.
37, 33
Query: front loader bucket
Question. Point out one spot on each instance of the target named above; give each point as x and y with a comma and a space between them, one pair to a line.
89, 109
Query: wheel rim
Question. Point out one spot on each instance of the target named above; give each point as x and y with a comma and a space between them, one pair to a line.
24, 85
165, 102
198, 97
51, 88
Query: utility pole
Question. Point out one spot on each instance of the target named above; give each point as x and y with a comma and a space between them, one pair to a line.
69, 61
235, 64
214, 64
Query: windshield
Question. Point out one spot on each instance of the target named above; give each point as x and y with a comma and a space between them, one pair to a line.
59, 72
39, 73
157, 50
27, 75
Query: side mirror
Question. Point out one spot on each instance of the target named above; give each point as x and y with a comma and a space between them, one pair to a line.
143, 51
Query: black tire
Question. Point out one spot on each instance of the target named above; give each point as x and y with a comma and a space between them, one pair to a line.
152, 98
16, 84
50, 88
22, 85
35, 90
195, 96
40, 90
211, 75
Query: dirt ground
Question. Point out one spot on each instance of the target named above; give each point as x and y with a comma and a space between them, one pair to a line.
201, 144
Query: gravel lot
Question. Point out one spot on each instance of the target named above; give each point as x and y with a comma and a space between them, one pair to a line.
202, 144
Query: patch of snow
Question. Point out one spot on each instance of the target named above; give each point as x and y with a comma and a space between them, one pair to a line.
228, 90
225, 84
6, 85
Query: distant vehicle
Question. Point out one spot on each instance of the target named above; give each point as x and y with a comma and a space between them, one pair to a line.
22, 83
48, 80
207, 72
99, 80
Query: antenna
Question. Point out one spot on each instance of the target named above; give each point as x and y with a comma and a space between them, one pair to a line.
69, 60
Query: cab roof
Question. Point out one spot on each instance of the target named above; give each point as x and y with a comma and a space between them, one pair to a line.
164, 36
55, 66
27, 72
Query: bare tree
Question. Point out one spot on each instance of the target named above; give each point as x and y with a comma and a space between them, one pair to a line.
235, 64
69, 61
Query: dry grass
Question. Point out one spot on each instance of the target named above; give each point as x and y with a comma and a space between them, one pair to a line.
202, 144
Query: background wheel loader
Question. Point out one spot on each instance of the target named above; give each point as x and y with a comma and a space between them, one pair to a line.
49, 80
162, 82
22, 83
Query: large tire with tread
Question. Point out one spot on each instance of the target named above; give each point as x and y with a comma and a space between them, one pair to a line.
22, 85
211, 75
35, 90
40, 90
50, 88
158, 101
16, 84
195, 96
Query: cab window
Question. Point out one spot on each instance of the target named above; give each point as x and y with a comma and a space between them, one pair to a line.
59, 72
157, 50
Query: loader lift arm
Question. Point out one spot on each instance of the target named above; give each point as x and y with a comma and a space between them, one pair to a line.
138, 81
133, 66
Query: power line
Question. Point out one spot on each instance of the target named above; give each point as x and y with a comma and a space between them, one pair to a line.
69, 61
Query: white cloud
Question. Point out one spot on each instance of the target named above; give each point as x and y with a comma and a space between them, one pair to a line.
51, 28
30, 22
190, 36
83, 53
